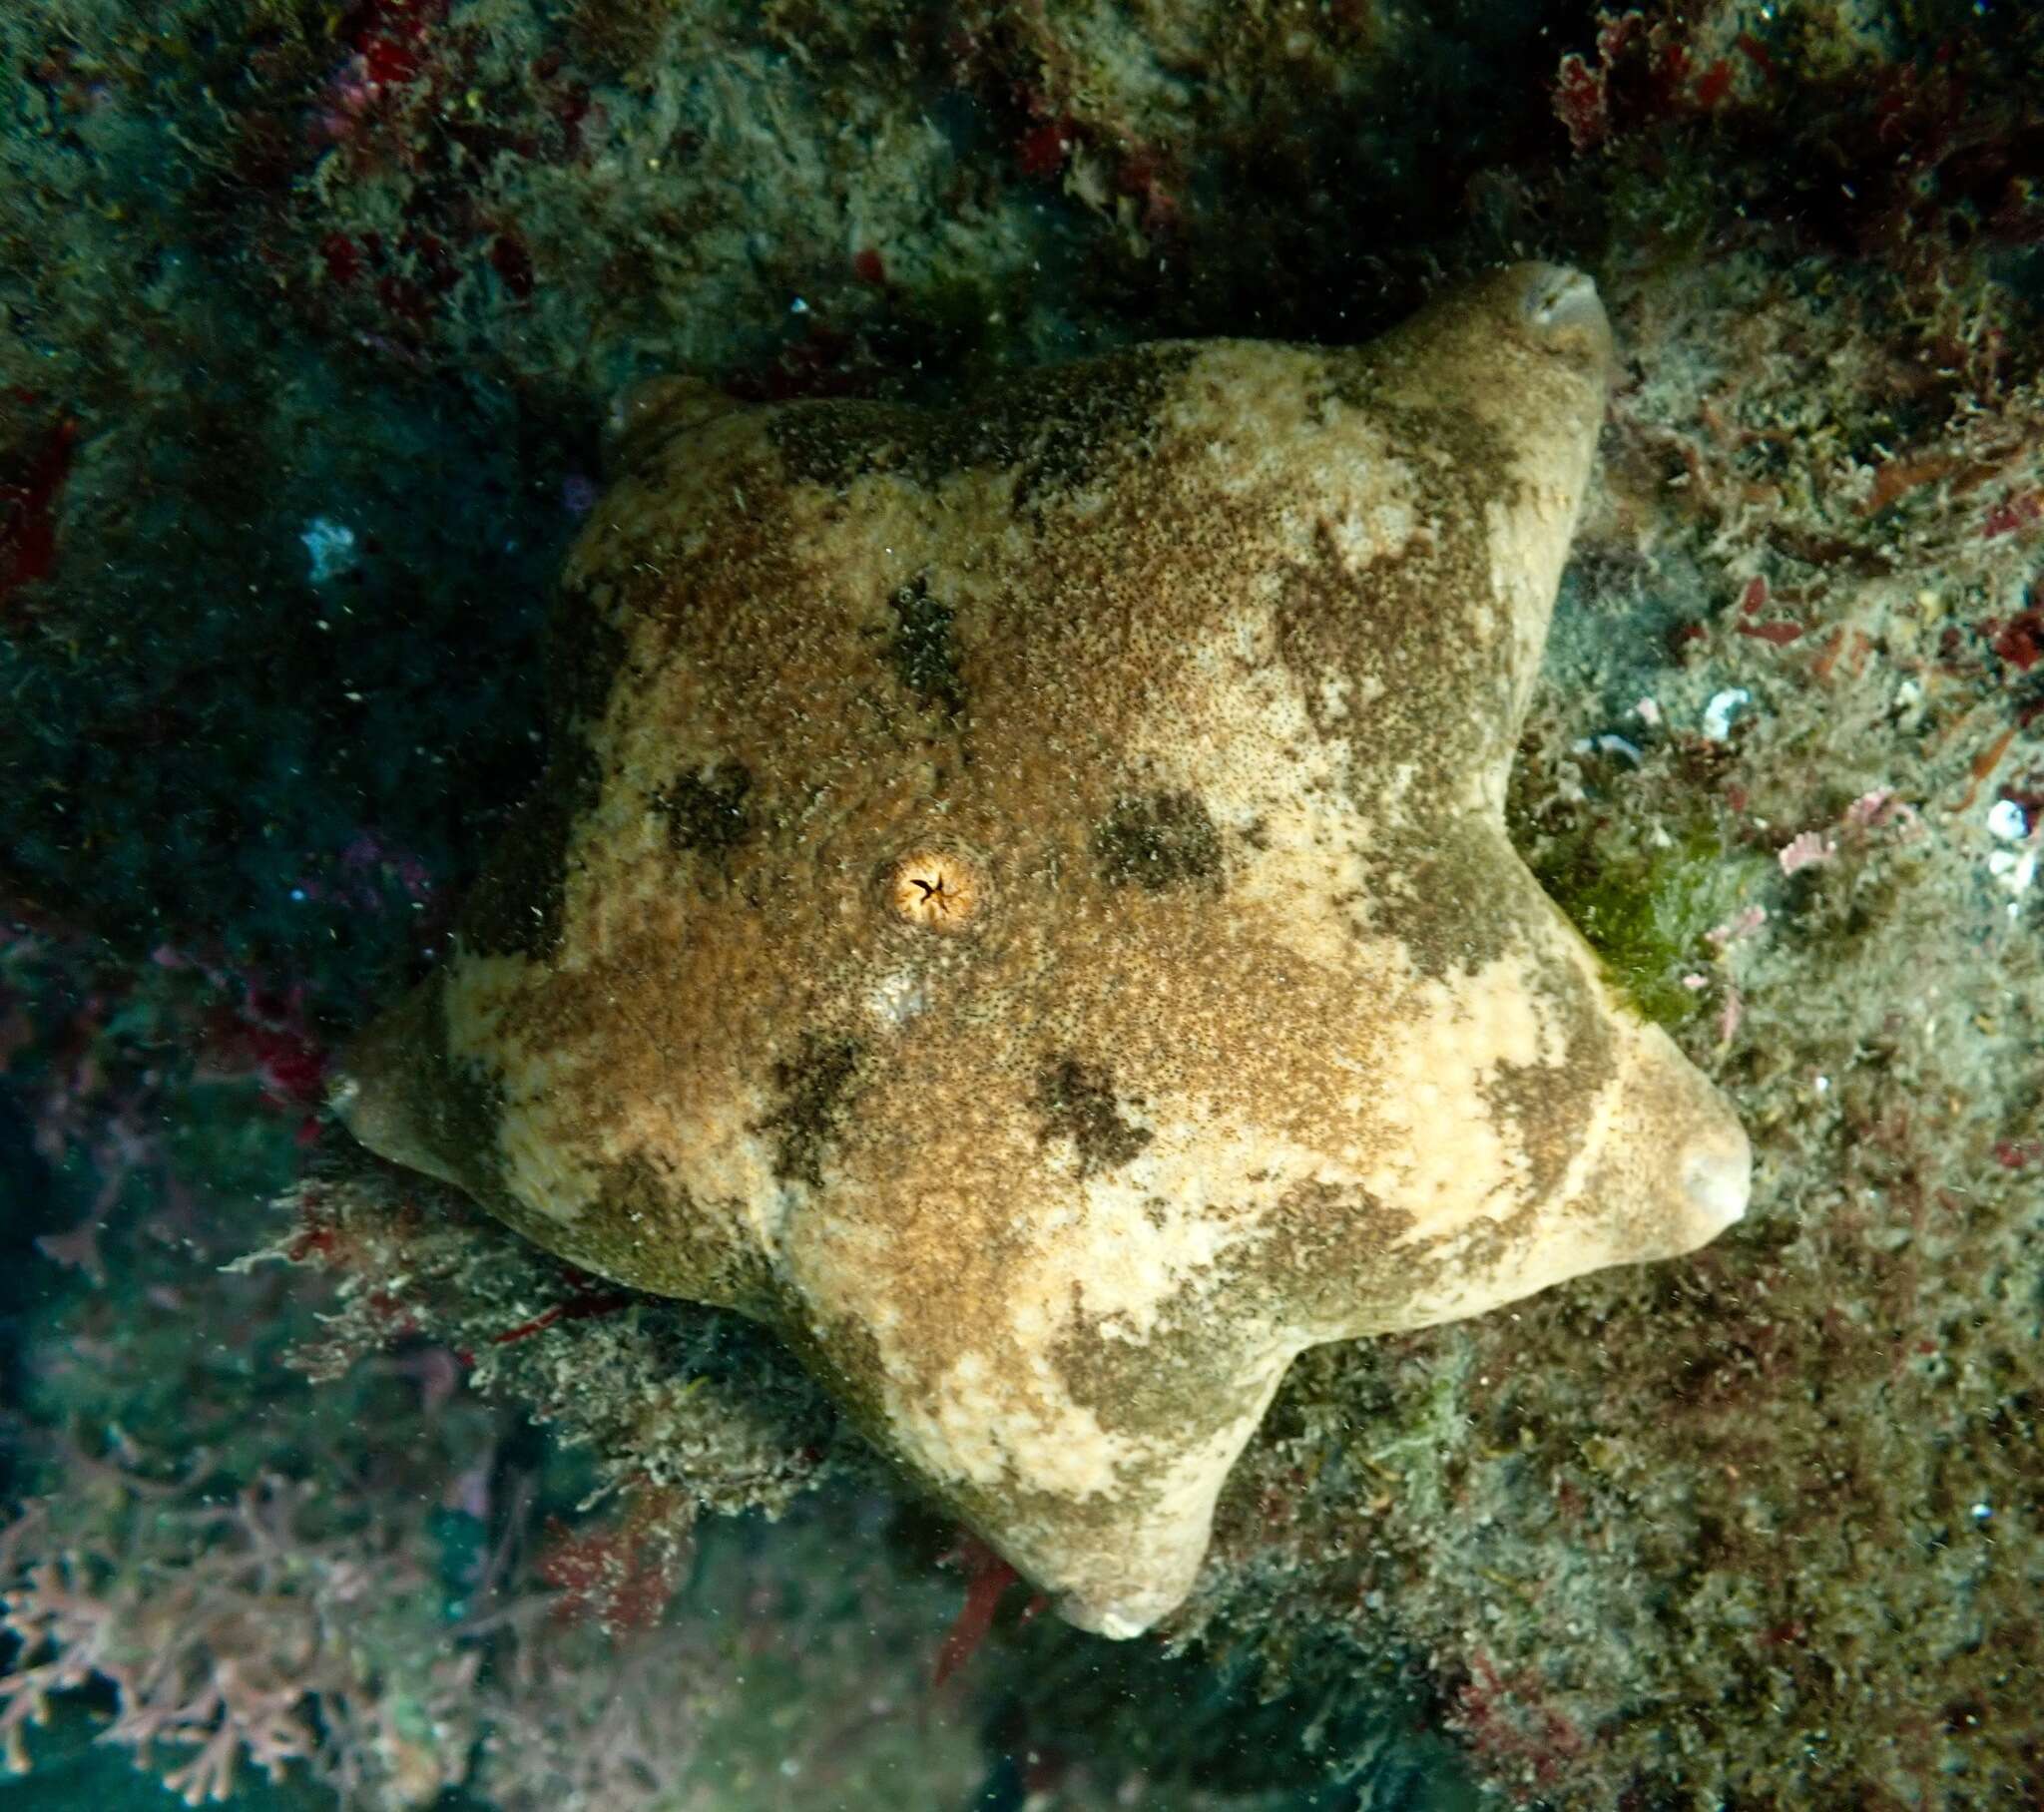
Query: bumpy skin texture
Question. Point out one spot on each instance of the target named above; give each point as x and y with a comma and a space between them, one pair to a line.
1020, 904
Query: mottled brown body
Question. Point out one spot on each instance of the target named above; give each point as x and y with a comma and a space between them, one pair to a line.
1021, 904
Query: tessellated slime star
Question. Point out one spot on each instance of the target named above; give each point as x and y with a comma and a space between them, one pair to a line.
1020, 904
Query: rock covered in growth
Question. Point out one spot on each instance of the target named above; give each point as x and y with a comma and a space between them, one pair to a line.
1020, 905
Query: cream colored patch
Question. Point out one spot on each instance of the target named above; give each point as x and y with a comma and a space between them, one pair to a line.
714, 1144
981, 1423
1449, 1161
535, 1169
1127, 1243
1383, 522
1210, 729
1156, 1567
1107, 1264
1394, 792
619, 871
1525, 546
896, 997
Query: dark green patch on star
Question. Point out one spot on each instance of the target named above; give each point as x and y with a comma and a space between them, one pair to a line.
1052, 432
1078, 1102
710, 814
924, 652
815, 1088
517, 906
1158, 840
585, 655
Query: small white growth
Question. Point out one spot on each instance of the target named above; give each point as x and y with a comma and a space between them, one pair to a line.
330, 546
1742, 923
1719, 713
2007, 820
1808, 850
2013, 869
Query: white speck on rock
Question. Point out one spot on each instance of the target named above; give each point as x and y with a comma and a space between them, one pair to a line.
1717, 714
2013, 871
2008, 821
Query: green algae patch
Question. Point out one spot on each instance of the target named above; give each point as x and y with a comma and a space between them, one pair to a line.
1648, 912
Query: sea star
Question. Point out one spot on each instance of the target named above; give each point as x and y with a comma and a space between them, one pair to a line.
1020, 904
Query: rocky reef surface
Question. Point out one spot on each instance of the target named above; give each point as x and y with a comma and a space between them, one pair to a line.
312, 316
